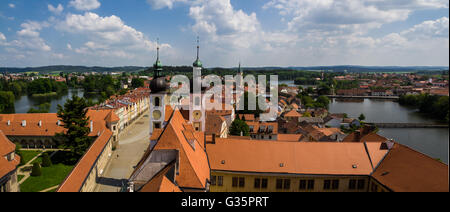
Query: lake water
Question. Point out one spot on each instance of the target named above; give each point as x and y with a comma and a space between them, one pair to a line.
432, 142
24, 103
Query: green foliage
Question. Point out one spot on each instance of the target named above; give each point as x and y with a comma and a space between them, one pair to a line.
346, 84
42, 108
46, 162
7, 102
36, 171
239, 126
137, 82
245, 99
436, 106
43, 86
323, 101
362, 117
307, 114
74, 119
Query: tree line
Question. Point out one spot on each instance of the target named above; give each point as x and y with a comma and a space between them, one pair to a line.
436, 106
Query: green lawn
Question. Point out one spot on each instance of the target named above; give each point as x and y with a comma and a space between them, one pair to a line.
51, 176
28, 155
20, 177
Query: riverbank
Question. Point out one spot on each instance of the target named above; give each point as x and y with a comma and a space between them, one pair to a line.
37, 95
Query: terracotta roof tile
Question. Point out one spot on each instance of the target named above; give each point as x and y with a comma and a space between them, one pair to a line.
406, 170
75, 180
290, 157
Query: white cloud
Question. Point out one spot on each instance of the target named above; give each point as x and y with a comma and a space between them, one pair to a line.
56, 10
107, 37
12, 5
159, 4
2, 37
85, 5
429, 29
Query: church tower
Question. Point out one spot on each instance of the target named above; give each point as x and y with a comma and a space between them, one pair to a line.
197, 115
158, 96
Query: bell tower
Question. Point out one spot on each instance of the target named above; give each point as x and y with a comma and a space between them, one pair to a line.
197, 115
158, 96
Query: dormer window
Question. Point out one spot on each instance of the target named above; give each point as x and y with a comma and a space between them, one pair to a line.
24, 123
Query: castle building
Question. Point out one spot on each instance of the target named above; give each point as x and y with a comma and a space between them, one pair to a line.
8, 165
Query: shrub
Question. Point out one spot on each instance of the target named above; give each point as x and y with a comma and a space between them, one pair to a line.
36, 171
46, 162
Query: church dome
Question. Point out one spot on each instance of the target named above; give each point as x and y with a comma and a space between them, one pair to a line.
158, 84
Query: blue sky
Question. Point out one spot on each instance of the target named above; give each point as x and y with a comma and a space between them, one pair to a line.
255, 32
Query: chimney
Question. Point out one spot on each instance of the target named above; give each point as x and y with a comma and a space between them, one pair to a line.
92, 126
40, 123
24, 123
58, 123
242, 133
9, 122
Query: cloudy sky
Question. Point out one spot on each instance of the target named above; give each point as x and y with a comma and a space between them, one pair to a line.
255, 32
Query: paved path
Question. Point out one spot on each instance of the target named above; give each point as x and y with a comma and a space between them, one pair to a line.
132, 145
49, 189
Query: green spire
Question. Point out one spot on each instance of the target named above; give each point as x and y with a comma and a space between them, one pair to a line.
197, 62
158, 65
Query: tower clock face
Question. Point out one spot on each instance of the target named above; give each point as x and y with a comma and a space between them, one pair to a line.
156, 114
197, 114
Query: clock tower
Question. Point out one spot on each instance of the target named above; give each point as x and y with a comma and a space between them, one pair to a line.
197, 115
158, 97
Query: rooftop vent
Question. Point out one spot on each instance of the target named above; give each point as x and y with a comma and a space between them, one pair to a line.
384, 173
354, 166
9, 122
281, 164
24, 123
222, 162
58, 123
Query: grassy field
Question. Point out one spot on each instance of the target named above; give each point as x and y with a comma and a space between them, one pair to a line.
28, 155
51, 176
20, 177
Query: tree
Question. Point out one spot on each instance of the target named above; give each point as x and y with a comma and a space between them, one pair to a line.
42, 108
325, 101
46, 162
362, 117
307, 114
36, 171
239, 126
73, 117
7, 102
137, 82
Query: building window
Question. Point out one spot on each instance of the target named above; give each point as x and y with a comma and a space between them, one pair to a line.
374, 187
213, 180
287, 184
326, 184
234, 182
352, 185
264, 183
361, 184
302, 185
310, 184
257, 182
157, 126
241, 182
279, 184
157, 102
335, 185
220, 180
270, 137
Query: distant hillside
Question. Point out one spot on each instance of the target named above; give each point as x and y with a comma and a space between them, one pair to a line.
343, 68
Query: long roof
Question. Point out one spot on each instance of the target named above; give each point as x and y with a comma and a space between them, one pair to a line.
74, 182
49, 123
406, 170
324, 158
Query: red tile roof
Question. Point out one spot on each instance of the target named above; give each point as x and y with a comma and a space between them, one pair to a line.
76, 179
291, 157
406, 170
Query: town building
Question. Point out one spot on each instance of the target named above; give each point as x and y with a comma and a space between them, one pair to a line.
8, 165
